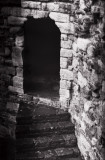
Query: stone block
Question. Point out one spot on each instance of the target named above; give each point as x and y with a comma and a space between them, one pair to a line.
66, 44
75, 47
15, 90
18, 82
12, 107
19, 72
66, 74
67, 28
54, 7
31, 4
64, 93
103, 86
83, 44
40, 14
14, 30
59, 17
19, 41
7, 70
64, 37
65, 84
16, 20
81, 80
64, 102
63, 62
66, 53
36, 5
25, 12
90, 51
17, 56
65, 7
6, 78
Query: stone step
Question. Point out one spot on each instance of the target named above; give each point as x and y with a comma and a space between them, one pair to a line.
37, 119
47, 142
54, 154
40, 113
41, 129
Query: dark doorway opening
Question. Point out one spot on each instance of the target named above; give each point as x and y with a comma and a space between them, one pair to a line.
41, 58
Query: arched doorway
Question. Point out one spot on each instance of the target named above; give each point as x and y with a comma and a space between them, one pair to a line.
41, 58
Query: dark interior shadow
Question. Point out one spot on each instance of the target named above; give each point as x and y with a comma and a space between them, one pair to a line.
41, 57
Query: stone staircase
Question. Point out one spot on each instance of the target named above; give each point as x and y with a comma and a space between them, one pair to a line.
45, 133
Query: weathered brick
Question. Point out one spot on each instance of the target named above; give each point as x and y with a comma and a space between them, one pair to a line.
66, 44
65, 84
15, 90
39, 14
16, 20
83, 43
14, 30
67, 28
17, 56
63, 62
7, 70
15, 11
19, 72
66, 53
64, 37
52, 7
19, 41
64, 7
18, 82
66, 74
59, 17
81, 80
12, 106
30, 4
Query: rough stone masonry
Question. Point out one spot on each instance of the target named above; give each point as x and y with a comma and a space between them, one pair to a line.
82, 66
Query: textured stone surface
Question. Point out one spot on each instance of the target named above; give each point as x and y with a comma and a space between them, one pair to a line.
17, 56
82, 62
59, 17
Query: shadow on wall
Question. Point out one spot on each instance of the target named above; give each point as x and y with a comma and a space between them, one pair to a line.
10, 3
7, 149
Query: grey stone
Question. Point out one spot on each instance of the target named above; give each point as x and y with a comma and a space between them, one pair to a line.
66, 74
16, 20
17, 56
59, 17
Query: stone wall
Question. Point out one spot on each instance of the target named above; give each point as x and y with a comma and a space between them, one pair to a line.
82, 54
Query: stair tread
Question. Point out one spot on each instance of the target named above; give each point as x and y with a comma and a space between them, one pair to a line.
46, 142
58, 152
39, 109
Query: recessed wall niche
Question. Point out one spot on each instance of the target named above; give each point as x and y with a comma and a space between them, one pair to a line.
41, 58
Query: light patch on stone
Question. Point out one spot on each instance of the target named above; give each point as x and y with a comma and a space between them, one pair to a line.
81, 80
83, 144
87, 105
82, 5
64, 93
66, 28
83, 44
59, 17
66, 74
63, 62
